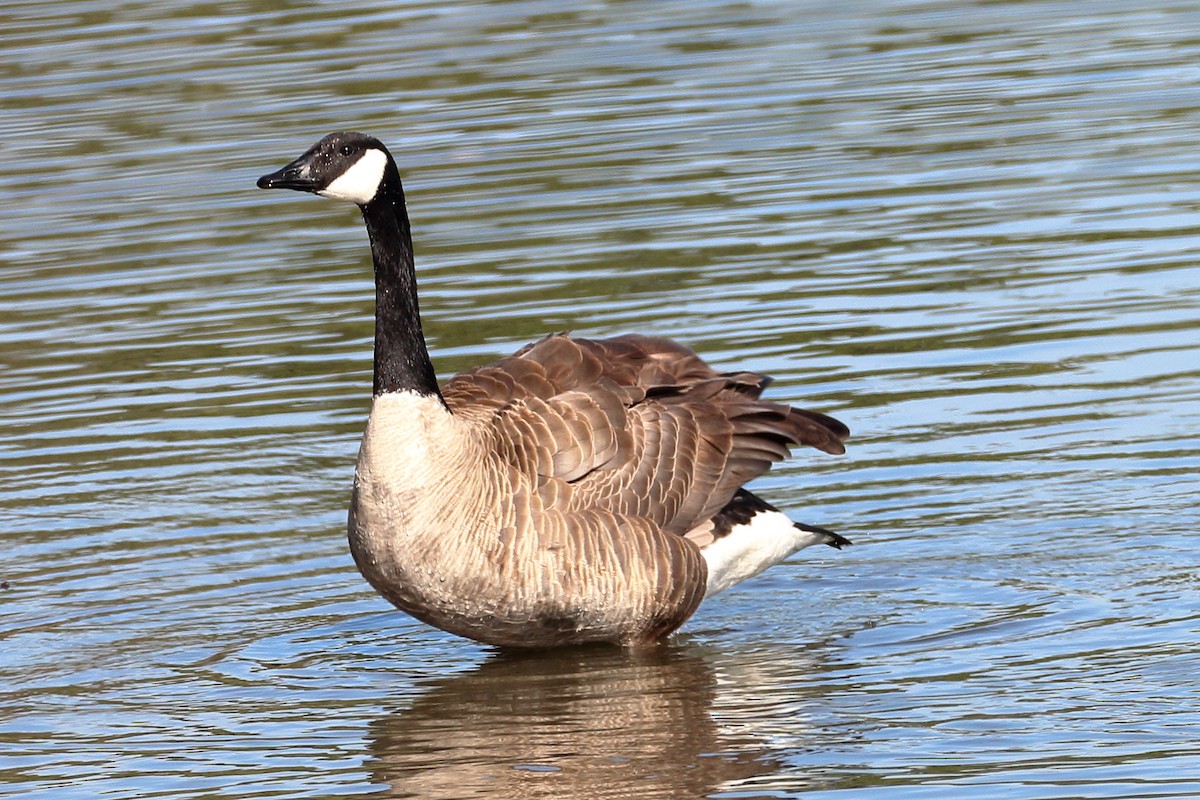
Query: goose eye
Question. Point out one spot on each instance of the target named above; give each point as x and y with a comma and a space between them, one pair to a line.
347, 149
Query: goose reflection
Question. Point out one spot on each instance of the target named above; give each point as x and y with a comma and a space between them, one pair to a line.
585, 723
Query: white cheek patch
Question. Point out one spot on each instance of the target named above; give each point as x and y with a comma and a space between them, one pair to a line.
359, 183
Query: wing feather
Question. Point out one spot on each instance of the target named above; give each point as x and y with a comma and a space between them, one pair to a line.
635, 426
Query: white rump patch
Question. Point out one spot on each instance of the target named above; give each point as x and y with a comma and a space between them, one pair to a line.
768, 538
359, 183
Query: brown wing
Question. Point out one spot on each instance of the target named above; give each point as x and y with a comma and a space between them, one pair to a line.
635, 425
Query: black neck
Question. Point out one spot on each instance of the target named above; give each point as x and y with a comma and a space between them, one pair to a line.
401, 358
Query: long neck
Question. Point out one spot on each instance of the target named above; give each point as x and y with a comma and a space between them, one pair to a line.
401, 358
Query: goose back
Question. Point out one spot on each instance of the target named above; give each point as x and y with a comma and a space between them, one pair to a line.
637, 425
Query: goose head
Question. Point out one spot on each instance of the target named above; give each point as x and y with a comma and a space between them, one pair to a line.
344, 166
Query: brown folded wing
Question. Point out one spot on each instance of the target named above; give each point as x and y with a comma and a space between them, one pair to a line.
635, 426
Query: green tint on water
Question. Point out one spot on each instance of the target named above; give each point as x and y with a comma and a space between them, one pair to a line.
969, 231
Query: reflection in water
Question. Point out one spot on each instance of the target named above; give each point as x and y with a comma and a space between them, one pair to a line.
586, 723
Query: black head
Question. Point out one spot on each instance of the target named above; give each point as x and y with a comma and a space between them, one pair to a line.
344, 166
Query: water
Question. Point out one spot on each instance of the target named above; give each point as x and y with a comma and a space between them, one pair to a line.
970, 231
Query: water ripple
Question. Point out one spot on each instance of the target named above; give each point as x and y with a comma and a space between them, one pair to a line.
967, 230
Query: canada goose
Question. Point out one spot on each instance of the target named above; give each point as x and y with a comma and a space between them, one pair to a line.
579, 490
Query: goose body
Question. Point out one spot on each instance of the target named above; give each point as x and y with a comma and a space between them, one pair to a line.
578, 490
